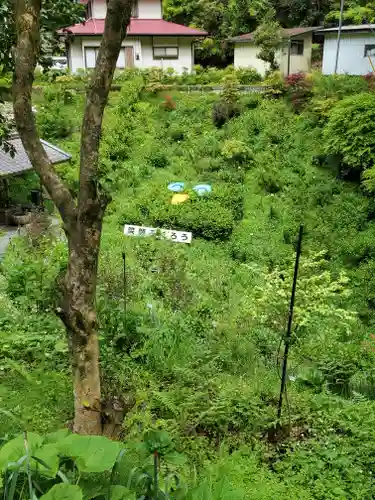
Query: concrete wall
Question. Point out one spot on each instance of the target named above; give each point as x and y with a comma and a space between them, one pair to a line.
352, 58
147, 9
245, 56
143, 52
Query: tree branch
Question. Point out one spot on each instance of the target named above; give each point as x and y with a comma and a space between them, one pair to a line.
27, 13
91, 202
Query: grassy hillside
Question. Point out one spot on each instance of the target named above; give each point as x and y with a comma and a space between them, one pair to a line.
197, 351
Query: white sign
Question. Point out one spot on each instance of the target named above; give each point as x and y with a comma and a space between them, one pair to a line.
168, 234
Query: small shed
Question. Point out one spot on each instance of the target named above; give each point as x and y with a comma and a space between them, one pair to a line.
357, 49
18, 164
293, 57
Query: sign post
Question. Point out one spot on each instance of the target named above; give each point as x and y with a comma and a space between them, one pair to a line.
167, 234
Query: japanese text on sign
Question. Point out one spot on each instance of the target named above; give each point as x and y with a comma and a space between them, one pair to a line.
168, 234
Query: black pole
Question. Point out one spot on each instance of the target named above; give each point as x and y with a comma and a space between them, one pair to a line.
156, 481
124, 284
290, 321
289, 51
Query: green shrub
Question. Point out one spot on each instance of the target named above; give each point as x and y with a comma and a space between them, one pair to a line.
205, 218
248, 76
337, 86
252, 100
350, 131
275, 85
158, 159
54, 122
236, 151
176, 133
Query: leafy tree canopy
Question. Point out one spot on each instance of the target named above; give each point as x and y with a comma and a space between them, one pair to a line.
55, 14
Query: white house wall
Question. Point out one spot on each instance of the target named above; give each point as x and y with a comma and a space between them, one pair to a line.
352, 58
298, 63
245, 56
75, 57
147, 9
99, 9
183, 63
143, 52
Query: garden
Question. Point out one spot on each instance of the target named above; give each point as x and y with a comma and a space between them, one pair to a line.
191, 334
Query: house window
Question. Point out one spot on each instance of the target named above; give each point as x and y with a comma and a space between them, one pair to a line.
125, 58
135, 10
369, 50
165, 52
296, 47
91, 53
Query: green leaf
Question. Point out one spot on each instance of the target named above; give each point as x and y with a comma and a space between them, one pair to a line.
175, 458
158, 441
63, 491
121, 493
56, 437
48, 453
15, 449
91, 453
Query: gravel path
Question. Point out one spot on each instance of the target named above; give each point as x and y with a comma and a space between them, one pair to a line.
6, 234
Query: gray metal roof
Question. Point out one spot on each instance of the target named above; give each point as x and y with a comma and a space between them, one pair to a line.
21, 163
352, 27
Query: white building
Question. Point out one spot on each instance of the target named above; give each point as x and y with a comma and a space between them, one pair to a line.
357, 50
293, 57
150, 41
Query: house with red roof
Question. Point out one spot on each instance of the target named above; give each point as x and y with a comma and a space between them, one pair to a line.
294, 55
150, 41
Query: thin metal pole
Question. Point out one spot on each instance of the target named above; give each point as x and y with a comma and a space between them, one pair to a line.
290, 321
289, 52
339, 36
124, 284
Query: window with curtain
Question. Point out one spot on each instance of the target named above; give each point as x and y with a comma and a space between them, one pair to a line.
165, 52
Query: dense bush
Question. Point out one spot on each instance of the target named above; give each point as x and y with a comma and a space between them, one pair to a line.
337, 86
53, 122
350, 131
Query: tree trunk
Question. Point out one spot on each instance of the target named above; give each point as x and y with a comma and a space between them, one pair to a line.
79, 315
83, 217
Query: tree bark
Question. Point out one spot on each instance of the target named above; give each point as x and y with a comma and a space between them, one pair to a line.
79, 316
83, 218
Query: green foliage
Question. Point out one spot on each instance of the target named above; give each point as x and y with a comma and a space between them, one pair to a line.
227, 108
192, 353
63, 491
54, 15
236, 151
268, 38
53, 122
349, 131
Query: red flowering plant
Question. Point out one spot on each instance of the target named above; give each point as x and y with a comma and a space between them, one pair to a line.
169, 104
298, 90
